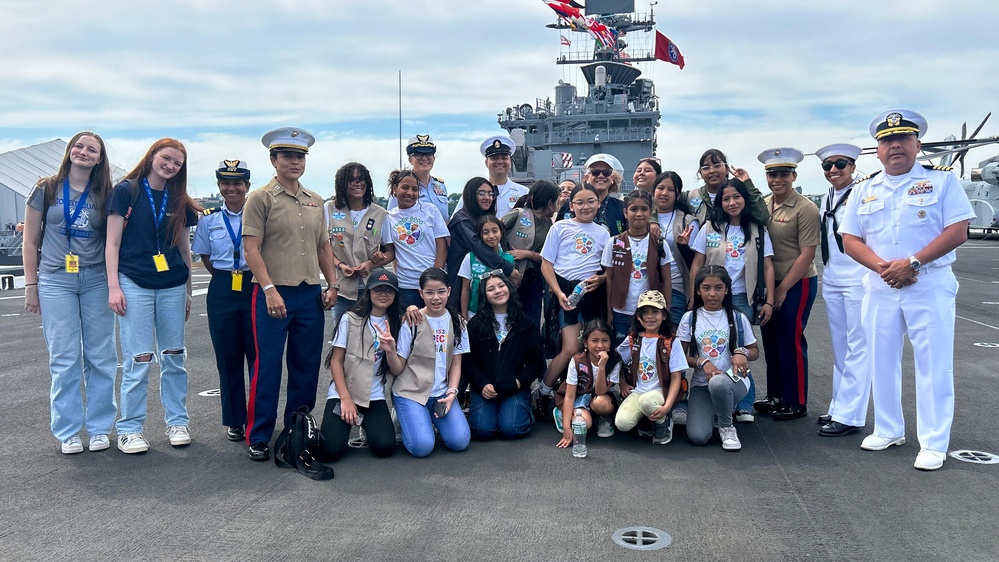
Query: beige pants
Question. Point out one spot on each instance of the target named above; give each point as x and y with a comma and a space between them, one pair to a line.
635, 406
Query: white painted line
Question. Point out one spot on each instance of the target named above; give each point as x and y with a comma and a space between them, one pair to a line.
979, 323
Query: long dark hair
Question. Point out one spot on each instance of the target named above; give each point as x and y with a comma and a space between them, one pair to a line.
654, 162
342, 180
720, 219
712, 156
541, 194
665, 328
100, 175
438, 274
729, 308
490, 219
484, 324
599, 325
362, 308
471, 202
678, 204
176, 188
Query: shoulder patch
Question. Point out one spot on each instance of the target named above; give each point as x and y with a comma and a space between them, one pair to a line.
940, 168
210, 210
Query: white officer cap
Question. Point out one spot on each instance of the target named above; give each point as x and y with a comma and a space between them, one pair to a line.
839, 149
898, 122
288, 139
608, 159
497, 145
783, 158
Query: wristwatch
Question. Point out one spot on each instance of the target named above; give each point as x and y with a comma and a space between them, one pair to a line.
914, 264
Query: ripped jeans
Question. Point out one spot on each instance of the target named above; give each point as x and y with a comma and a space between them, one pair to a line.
149, 314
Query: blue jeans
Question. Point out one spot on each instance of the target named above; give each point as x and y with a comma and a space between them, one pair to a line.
417, 423
741, 303
677, 307
342, 305
148, 311
622, 324
507, 418
74, 310
409, 297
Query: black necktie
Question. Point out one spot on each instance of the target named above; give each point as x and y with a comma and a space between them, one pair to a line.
830, 212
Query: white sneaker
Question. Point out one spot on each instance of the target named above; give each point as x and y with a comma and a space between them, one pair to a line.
179, 435
929, 460
132, 443
604, 427
72, 445
730, 438
875, 443
99, 443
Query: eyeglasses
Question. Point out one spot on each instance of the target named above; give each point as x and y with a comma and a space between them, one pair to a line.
605, 172
490, 194
423, 157
715, 166
441, 293
488, 274
840, 164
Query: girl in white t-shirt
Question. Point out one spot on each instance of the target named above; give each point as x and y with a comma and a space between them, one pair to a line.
652, 385
571, 258
363, 352
416, 232
589, 382
721, 369
424, 394
491, 232
634, 262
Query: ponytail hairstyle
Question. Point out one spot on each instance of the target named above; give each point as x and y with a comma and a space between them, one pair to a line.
396, 176
541, 194
702, 274
438, 274
484, 324
362, 309
678, 204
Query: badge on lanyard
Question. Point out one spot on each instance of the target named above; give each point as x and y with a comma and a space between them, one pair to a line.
72, 260
237, 281
161, 263
72, 263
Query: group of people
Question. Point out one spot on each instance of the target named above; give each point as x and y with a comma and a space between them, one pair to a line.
648, 301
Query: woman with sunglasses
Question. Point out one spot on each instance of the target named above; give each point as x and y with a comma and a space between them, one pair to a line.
715, 170
479, 198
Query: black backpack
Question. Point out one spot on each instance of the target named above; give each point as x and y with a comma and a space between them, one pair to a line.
298, 445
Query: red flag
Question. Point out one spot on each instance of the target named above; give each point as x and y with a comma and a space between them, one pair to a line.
667, 50
565, 40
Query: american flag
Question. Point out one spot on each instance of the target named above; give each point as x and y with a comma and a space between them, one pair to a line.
565, 41
563, 159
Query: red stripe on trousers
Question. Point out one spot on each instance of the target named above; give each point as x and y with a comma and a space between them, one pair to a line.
251, 405
798, 334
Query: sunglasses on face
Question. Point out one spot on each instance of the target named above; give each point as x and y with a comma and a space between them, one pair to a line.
840, 164
601, 172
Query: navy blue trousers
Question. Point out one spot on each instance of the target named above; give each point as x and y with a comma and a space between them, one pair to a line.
302, 329
231, 328
786, 347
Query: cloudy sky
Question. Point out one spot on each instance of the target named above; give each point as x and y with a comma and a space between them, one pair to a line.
217, 74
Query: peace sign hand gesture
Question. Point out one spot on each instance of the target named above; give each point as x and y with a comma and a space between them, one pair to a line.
684, 237
385, 339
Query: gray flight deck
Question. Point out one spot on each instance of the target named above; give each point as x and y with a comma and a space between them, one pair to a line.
788, 495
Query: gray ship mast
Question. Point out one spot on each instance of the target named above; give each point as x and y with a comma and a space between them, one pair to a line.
618, 114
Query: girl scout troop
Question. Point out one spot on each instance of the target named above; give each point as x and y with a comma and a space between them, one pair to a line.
620, 273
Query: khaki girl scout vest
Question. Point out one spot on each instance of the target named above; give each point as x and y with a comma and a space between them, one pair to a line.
715, 254
417, 379
354, 247
359, 361
521, 237
623, 265
680, 222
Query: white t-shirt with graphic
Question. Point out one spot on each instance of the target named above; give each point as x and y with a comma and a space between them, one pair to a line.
572, 377
711, 339
414, 232
340, 340
666, 224
503, 329
646, 377
735, 261
442, 341
574, 248
638, 283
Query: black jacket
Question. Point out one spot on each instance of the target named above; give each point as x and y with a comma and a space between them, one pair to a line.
464, 239
520, 358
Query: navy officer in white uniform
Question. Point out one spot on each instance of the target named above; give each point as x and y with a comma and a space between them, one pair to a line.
904, 225
219, 240
497, 150
843, 293
422, 154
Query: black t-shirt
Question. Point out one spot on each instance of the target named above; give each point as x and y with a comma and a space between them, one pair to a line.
138, 241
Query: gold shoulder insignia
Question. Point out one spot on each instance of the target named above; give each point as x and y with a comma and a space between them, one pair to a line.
210, 210
940, 168
867, 177
438, 179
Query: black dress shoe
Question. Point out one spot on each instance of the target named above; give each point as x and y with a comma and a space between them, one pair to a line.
836, 429
786, 412
765, 407
260, 452
823, 419
235, 433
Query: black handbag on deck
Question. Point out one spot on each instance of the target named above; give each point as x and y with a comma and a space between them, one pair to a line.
760, 294
298, 445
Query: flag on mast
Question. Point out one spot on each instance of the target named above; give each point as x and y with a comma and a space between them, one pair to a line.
667, 50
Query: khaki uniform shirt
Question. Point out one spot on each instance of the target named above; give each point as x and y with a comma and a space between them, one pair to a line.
291, 229
794, 224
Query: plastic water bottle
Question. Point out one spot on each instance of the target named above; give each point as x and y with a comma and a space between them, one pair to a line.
576, 295
578, 434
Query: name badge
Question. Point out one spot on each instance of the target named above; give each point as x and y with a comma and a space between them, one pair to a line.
161, 263
237, 281
72, 263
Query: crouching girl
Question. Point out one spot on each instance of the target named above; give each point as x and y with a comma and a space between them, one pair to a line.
589, 381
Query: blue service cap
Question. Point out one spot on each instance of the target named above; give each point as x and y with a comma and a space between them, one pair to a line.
232, 169
421, 144
288, 139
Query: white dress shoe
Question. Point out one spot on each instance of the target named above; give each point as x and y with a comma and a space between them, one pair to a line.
876, 443
929, 460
